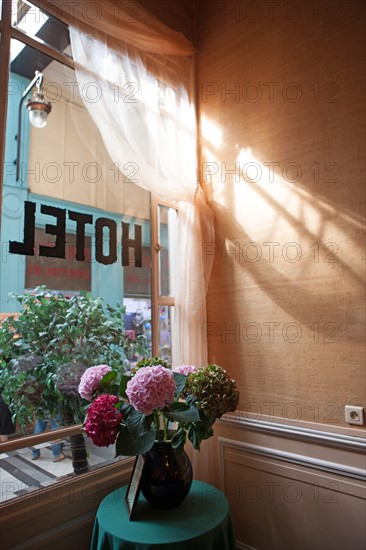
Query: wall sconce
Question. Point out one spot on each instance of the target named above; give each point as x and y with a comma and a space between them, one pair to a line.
38, 108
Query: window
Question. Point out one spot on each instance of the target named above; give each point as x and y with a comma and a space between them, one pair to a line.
62, 193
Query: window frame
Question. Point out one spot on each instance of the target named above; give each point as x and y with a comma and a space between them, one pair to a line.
156, 298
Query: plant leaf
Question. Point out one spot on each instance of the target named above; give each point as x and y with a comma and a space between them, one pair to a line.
128, 444
179, 439
137, 423
182, 413
180, 380
194, 437
199, 431
123, 385
107, 378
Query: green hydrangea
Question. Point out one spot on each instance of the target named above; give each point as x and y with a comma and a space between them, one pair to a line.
214, 391
150, 362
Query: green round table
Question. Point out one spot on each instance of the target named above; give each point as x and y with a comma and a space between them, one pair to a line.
201, 522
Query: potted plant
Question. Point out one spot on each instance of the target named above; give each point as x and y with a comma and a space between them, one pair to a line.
49, 344
152, 411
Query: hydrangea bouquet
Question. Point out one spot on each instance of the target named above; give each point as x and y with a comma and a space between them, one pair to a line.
153, 403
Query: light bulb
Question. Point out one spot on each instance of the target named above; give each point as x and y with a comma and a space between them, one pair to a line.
38, 109
38, 118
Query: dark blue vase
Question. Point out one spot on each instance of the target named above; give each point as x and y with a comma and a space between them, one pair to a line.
167, 476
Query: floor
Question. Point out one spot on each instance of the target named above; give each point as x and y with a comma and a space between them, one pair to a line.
19, 474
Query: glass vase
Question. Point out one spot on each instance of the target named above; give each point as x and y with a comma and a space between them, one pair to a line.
167, 476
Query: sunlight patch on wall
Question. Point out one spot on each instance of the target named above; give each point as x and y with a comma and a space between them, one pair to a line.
211, 132
273, 208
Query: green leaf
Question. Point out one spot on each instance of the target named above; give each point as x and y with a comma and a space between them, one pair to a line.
182, 413
128, 444
199, 431
123, 385
178, 406
179, 439
125, 408
180, 380
137, 423
105, 382
194, 437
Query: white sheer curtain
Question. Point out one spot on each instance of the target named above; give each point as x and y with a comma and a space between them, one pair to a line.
142, 105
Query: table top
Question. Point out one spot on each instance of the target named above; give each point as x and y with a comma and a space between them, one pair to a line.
202, 522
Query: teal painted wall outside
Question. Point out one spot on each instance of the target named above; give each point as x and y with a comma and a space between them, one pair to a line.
12, 267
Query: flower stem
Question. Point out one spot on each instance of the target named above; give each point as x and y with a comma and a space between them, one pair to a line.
165, 427
157, 424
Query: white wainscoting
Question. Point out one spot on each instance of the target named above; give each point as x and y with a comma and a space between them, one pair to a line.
289, 488
293, 488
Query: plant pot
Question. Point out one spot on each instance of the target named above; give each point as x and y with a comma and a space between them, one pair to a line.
167, 476
78, 453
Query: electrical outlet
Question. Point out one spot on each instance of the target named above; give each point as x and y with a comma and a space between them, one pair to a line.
354, 415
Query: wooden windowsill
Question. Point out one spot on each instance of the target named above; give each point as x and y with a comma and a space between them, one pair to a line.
30, 440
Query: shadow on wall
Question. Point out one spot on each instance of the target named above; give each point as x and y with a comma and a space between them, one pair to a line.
304, 252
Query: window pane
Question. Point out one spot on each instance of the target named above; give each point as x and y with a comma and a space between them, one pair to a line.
75, 224
58, 273
20, 474
167, 241
138, 325
37, 24
166, 320
71, 221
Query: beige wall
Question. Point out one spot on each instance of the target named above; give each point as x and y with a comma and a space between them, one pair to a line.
177, 14
281, 103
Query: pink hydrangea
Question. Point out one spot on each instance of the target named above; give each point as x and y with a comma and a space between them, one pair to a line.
151, 388
185, 369
102, 420
89, 381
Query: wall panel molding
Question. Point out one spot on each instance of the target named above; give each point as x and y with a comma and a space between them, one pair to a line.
300, 433
274, 491
293, 458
